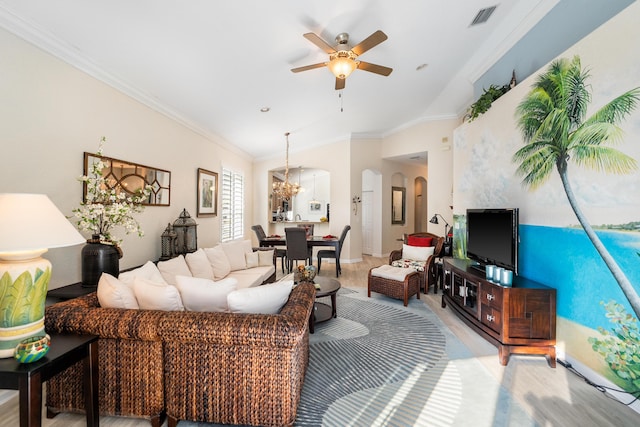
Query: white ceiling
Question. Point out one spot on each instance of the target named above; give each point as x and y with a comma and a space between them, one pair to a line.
214, 64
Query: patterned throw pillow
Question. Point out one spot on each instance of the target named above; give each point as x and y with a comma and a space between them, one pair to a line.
409, 263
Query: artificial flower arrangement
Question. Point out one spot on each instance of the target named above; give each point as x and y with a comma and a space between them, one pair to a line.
107, 207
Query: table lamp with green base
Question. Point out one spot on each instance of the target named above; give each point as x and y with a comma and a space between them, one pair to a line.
30, 224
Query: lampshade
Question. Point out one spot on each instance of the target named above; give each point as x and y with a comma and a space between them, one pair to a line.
342, 64
30, 224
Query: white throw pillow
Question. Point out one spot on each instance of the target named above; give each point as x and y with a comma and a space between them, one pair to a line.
157, 296
148, 271
417, 253
199, 264
235, 253
252, 259
265, 258
265, 299
203, 294
174, 267
112, 293
219, 262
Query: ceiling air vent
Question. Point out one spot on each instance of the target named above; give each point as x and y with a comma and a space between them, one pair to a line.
483, 15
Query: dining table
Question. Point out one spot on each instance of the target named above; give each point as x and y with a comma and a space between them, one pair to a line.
312, 241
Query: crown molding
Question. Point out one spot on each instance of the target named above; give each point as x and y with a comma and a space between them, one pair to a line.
52, 45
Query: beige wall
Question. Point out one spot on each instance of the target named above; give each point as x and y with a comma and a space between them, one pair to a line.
435, 137
52, 113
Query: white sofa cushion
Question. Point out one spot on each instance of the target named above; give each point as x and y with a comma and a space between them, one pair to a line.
252, 259
253, 276
219, 262
199, 264
265, 258
157, 296
417, 253
235, 251
174, 267
203, 294
266, 299
148, 271
113, 293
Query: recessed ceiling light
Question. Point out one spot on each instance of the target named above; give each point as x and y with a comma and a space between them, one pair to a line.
421, 67
265, 109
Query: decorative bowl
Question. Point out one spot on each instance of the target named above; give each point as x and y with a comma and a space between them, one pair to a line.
32, 349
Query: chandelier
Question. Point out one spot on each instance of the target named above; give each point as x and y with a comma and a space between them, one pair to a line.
285, 189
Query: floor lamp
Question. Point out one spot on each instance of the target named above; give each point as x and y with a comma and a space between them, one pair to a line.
30, 224
434, 220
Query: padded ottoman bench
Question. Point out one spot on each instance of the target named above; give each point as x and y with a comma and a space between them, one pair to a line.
395, 282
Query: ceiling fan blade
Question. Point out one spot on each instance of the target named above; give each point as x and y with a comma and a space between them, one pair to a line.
340, 83
371, 41
313, 38
374, 68
308, 67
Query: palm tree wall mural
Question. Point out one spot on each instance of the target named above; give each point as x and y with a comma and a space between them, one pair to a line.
554, 248
557, 133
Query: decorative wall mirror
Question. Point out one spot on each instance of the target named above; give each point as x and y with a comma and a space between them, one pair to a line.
398, 195
130, 177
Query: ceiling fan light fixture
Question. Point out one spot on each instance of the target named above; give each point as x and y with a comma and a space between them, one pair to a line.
342, 64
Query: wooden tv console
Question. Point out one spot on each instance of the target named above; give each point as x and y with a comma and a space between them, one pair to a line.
518, 320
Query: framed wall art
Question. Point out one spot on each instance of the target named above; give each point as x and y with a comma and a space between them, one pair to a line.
207, 193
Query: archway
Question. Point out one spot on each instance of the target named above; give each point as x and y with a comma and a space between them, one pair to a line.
420, 205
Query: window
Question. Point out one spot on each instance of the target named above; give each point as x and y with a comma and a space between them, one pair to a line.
232, 204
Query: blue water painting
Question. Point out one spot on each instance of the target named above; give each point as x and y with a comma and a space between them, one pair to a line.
565, 259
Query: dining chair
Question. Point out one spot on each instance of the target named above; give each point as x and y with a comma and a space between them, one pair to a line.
261, 235
331, 253
297, 247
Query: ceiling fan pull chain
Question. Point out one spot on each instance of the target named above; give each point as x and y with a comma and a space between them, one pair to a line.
341, 101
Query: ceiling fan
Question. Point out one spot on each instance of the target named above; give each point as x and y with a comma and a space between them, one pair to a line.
343, 59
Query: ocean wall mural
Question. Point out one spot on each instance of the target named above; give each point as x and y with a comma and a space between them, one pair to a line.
554, 248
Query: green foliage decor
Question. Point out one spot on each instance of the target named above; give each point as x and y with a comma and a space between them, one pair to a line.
486, 99
22, 300
620, 347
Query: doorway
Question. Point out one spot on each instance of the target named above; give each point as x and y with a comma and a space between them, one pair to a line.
371, 212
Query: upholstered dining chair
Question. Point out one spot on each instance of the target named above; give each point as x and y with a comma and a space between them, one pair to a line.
261, 235
297, 247
331, 253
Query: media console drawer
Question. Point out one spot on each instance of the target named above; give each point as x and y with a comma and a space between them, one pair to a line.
518, 320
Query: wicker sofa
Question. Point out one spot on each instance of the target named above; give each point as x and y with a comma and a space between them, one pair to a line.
427, 273
207, 367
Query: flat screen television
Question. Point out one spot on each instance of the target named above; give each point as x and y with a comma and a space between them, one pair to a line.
492, 237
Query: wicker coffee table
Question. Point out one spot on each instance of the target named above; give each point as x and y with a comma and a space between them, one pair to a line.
321, 311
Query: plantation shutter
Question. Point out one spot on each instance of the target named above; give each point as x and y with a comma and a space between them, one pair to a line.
232, 201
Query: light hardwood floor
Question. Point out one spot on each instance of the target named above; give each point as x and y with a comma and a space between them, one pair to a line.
553, 397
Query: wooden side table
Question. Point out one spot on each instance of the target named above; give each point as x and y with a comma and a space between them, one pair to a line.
28, 377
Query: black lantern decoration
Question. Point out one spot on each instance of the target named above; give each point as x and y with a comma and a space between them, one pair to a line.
168, 240
186, 234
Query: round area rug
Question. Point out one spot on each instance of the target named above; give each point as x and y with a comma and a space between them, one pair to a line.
372, 366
